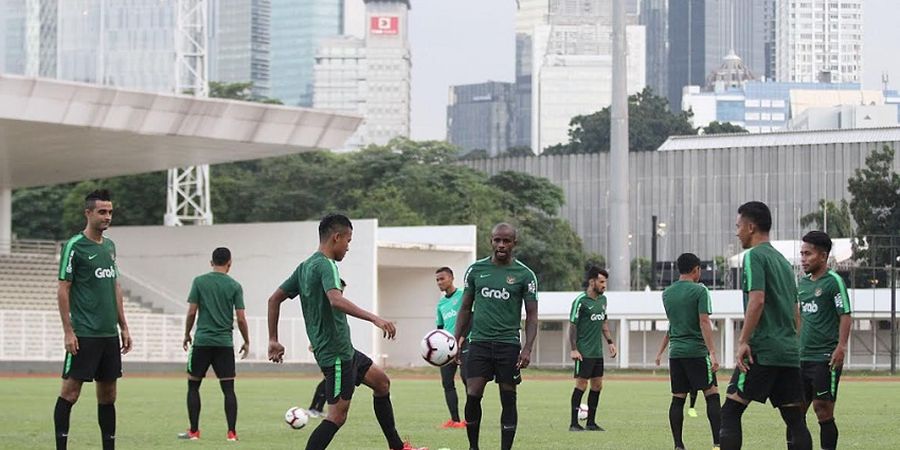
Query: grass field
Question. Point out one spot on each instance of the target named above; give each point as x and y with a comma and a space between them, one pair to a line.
152, 410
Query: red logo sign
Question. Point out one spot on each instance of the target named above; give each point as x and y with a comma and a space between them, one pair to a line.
384, 25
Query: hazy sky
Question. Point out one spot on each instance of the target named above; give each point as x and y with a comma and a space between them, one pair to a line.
471, 41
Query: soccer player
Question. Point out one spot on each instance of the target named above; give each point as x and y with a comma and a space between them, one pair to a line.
447, 311
768, 354
825, 308
496, 289
325, 311
587, 322
213, 298
692, 352
93, 320
662, 349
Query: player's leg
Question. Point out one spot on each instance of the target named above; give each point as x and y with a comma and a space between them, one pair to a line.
448, 373
464, 353
108, 371
223, 365
741, 390
826, 386
479, 370
581, 383
317, 405
807, 376
68, 395
339, 387
375, 378
681, 385
77, 369
198, 362
700, 377
506, 359
787, 396
596, 377
691, 410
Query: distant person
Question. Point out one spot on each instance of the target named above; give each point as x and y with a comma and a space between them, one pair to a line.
215, 295
447, 311
93, 320
768, 354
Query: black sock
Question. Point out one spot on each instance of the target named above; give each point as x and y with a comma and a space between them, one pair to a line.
795, 419
231, 406
322, 435
788, 438
828, 434
693, 399
714, 415
106, 417
384, 412
61, 422
452, 403
318, 400
575, 406
731, 435
473, 420
509, 419
593, 401
193, 404
676, 420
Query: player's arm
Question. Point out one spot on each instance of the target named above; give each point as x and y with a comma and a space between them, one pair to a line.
609, 340
755, 306
573, 342
341, 303
276, 350
123, 324
245, 332
837, 357
189, 324
464, 316
706, 330
662, 348
62, 300
438, 317
531, 321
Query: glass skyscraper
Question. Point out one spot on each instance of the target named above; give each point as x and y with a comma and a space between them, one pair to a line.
240, 47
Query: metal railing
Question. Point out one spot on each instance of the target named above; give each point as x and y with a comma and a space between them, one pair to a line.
30, 246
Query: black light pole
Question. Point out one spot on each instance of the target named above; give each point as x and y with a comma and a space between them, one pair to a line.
653, 237
893, 308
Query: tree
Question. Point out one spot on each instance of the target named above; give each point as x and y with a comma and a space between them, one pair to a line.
716, 127
478, 153
519, 150
839, 223
875, 206
650, 123
238, 91
640, 273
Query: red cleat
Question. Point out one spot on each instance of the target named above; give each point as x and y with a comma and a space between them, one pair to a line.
460, 424
190, 435
448, 424
232, 436
408, 446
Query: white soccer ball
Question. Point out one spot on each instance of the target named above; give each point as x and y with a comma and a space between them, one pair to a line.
582, 412
439, 348
296, 417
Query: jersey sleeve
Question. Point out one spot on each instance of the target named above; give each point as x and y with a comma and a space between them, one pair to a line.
841, 299
291, 286
754, 272
194, 295
327, 272
67, 261
704, 303
531, 287
575, 310
238, 296
469, 278
439, 318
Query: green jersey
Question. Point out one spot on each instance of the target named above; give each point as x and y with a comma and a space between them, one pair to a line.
685, 301
774, 341
217, 296
822, 303
499, 293
588, 315
91, 268
326, 327
448, 309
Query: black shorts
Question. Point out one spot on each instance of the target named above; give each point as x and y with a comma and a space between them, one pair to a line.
221, 359
494, 360
780, 385
463, 357
589, 368
98, 358
691, 374
820, 381
342, 378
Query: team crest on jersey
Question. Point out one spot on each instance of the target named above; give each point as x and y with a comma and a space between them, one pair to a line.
818, 292
510, 280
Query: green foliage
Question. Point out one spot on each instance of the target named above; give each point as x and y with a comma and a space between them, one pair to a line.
650, 123
520, 150
840, 224
238, 91
876, 206
640, 273
478, 153
37, 212
716, 127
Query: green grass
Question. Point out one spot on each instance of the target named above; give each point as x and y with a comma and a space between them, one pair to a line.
635, 413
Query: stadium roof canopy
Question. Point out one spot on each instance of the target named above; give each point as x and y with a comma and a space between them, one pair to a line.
781, 138
56, 131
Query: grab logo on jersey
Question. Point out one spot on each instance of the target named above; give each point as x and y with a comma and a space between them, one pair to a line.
499, 294
601, 316
384, 25
102, 273
810, 307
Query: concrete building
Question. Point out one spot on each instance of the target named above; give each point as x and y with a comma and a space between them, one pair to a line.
12, 36
845, 117
370, 76
818, 41
481, 116
240, 43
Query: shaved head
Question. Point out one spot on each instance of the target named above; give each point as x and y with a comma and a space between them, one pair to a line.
504, 227
503, 241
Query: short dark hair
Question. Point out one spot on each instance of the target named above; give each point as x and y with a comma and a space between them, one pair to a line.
221, 256
758, 214
90, 200
333, 223
444, 269
819, 240
593, 271
686, 263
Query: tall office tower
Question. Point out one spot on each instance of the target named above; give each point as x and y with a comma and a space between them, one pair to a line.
240, 43
480, 116
529, 14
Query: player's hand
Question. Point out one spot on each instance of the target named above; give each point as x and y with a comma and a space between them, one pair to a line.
245, 350
524, 358
743, 352
276, 352
389, 330
658, 358
837, 358
71, 343
613, 351
186, 344
575, 355
126, 341
713, 362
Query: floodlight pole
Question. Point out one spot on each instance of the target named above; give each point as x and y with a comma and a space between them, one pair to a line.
619, 253
893, 264
653, 238
187, 191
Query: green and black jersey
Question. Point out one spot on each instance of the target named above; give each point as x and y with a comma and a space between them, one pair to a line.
326, 327
774, 341
684, 302
448, 310
217, 296
499, 291
822, 303
588, 315
91, 268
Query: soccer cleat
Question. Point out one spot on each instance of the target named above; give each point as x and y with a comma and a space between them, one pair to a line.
190, 435
692, 412
593, 427
314, 413
408, 446
448, 424
576, 427
460, 424
231, 436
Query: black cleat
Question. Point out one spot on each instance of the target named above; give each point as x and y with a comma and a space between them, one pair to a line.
576, 427
594, 427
